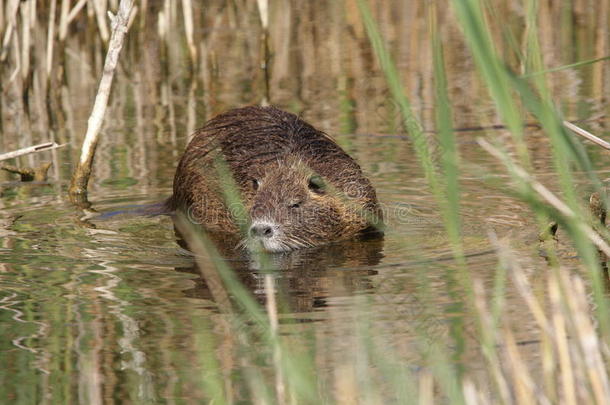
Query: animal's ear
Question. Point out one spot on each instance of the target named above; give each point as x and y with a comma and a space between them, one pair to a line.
316, 184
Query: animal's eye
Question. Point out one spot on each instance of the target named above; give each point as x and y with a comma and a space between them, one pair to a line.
316, 184
255, 184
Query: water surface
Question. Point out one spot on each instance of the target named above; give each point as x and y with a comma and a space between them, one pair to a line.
112, 310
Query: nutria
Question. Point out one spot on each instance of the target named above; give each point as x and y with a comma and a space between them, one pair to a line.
298, 187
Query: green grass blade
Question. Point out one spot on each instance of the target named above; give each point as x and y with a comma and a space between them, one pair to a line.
565, 67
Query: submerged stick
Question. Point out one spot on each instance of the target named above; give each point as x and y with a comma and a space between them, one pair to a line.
82, 172
29, 174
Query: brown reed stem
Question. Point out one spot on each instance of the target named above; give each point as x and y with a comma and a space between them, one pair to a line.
63, 19
66, 15
263, 9
13, 8
50, 39
100, 7
2, 17
187, 11
26, 38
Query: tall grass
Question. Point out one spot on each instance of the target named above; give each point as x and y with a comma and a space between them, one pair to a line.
570, 361
445, 189
572, 370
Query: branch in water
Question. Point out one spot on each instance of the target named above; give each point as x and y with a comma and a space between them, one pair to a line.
82, 172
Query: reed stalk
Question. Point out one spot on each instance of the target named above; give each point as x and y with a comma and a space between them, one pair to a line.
63, 19
441, 186
187, 11
11, 26
74, 11
26, 11
144, 13
82, 172
50, 39
30, 149
100, 7
263, 12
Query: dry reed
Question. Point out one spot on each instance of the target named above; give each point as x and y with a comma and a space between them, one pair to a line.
82, 172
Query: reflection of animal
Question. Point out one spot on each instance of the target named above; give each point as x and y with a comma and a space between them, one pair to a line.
299, 188
306, 277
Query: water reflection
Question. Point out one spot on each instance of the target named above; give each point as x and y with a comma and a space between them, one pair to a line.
305, 278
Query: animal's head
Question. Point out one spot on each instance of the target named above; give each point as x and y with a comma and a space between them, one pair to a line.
292, 206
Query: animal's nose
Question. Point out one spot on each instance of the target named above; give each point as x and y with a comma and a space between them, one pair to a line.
261, 230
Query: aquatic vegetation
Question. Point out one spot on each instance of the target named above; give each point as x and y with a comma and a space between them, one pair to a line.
455, 109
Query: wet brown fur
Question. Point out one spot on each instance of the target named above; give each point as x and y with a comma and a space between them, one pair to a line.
281, 153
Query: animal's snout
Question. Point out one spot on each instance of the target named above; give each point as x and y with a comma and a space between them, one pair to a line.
262, 230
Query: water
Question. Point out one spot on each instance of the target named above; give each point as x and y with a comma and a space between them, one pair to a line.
117, 300
112, 310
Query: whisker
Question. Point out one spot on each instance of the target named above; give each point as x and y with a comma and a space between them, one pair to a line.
242, 244
298, 243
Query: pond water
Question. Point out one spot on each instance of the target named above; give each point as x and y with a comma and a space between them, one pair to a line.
112, 310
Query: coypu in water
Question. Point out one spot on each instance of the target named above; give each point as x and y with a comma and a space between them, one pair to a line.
299, 188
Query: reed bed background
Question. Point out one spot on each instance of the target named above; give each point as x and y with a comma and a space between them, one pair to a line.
180, 67
52, 59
